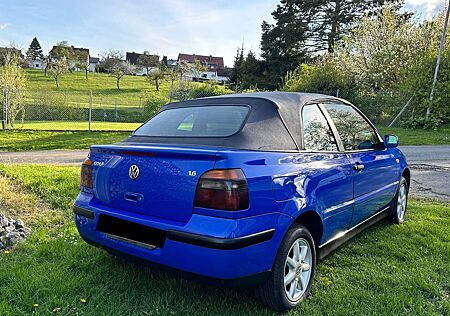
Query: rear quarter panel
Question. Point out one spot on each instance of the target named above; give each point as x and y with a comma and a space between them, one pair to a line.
293, 183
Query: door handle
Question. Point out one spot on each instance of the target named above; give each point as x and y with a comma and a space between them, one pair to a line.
358, 167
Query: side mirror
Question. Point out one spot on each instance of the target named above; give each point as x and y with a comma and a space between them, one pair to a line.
390, 141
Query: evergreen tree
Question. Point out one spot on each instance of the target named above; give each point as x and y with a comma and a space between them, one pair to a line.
35, 50
252, 76
236, 74
164, 63
283, 43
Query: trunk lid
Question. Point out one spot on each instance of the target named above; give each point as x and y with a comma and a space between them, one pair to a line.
157, 181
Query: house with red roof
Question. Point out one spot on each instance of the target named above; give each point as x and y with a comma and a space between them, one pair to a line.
214, 67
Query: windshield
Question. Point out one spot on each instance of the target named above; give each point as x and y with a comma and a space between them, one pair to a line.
196, 121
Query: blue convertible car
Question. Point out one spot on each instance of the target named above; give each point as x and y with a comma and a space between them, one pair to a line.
243, 189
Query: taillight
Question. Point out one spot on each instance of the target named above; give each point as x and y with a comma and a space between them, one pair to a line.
86, 174
224, 189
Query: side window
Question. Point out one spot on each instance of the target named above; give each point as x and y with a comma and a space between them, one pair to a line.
317, 133
355, 132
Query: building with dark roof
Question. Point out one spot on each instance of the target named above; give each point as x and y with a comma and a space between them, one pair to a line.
213, 63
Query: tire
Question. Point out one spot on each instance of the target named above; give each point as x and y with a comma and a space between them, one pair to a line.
273, 293
397, 209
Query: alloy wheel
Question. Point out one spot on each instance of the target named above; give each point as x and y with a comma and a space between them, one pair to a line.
401, 202
297, 269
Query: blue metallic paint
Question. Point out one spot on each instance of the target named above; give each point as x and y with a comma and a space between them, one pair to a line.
282, 186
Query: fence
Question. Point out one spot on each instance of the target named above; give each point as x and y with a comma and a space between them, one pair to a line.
79, 111
94, 111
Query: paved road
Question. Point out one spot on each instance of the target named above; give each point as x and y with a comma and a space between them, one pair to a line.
430, 166
430, 171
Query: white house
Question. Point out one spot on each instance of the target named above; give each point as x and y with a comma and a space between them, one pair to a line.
36, 64
93, 62
215, 68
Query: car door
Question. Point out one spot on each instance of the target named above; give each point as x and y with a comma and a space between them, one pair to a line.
330, 180
374, 166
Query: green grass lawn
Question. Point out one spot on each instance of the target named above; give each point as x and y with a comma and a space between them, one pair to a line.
75, 89
17, 140
406, 136
387, 270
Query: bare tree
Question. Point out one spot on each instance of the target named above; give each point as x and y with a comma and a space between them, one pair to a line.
57, 68
155, 76
121, 69
82, 61
113, 62
197, 68
13, 84
173, 75
182, 68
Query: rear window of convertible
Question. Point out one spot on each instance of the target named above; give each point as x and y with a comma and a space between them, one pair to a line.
196, 121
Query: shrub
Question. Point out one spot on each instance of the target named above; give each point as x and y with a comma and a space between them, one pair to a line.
208, 90
186, 90
321, 77
153, 104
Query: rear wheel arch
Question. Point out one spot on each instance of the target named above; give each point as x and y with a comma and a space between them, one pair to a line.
313, 222
407, 175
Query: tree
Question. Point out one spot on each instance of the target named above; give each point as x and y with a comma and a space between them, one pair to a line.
59, 51
81, 57
9, 55
35, 50
337, 18
182, 68
62, 49
112, 61
148, 61
46, 61
238, 68
121, 69
58, 68
164, 62
387, 60
197, 68
283, 44
173, 75
13, 83
155, 76
252, 72
383, 50
304, 28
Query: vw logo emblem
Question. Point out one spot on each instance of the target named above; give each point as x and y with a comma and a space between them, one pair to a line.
133, 173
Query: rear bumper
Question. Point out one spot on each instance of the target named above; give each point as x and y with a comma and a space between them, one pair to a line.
218, 250
220, 243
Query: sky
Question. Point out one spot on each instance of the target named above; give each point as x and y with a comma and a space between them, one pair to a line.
164, 27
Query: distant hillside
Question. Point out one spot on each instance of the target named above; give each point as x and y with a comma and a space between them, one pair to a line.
75, 89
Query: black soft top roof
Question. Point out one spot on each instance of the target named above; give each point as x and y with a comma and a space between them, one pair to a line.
289, 105
264, 130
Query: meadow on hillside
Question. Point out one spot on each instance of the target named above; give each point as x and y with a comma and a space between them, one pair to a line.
75, 89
